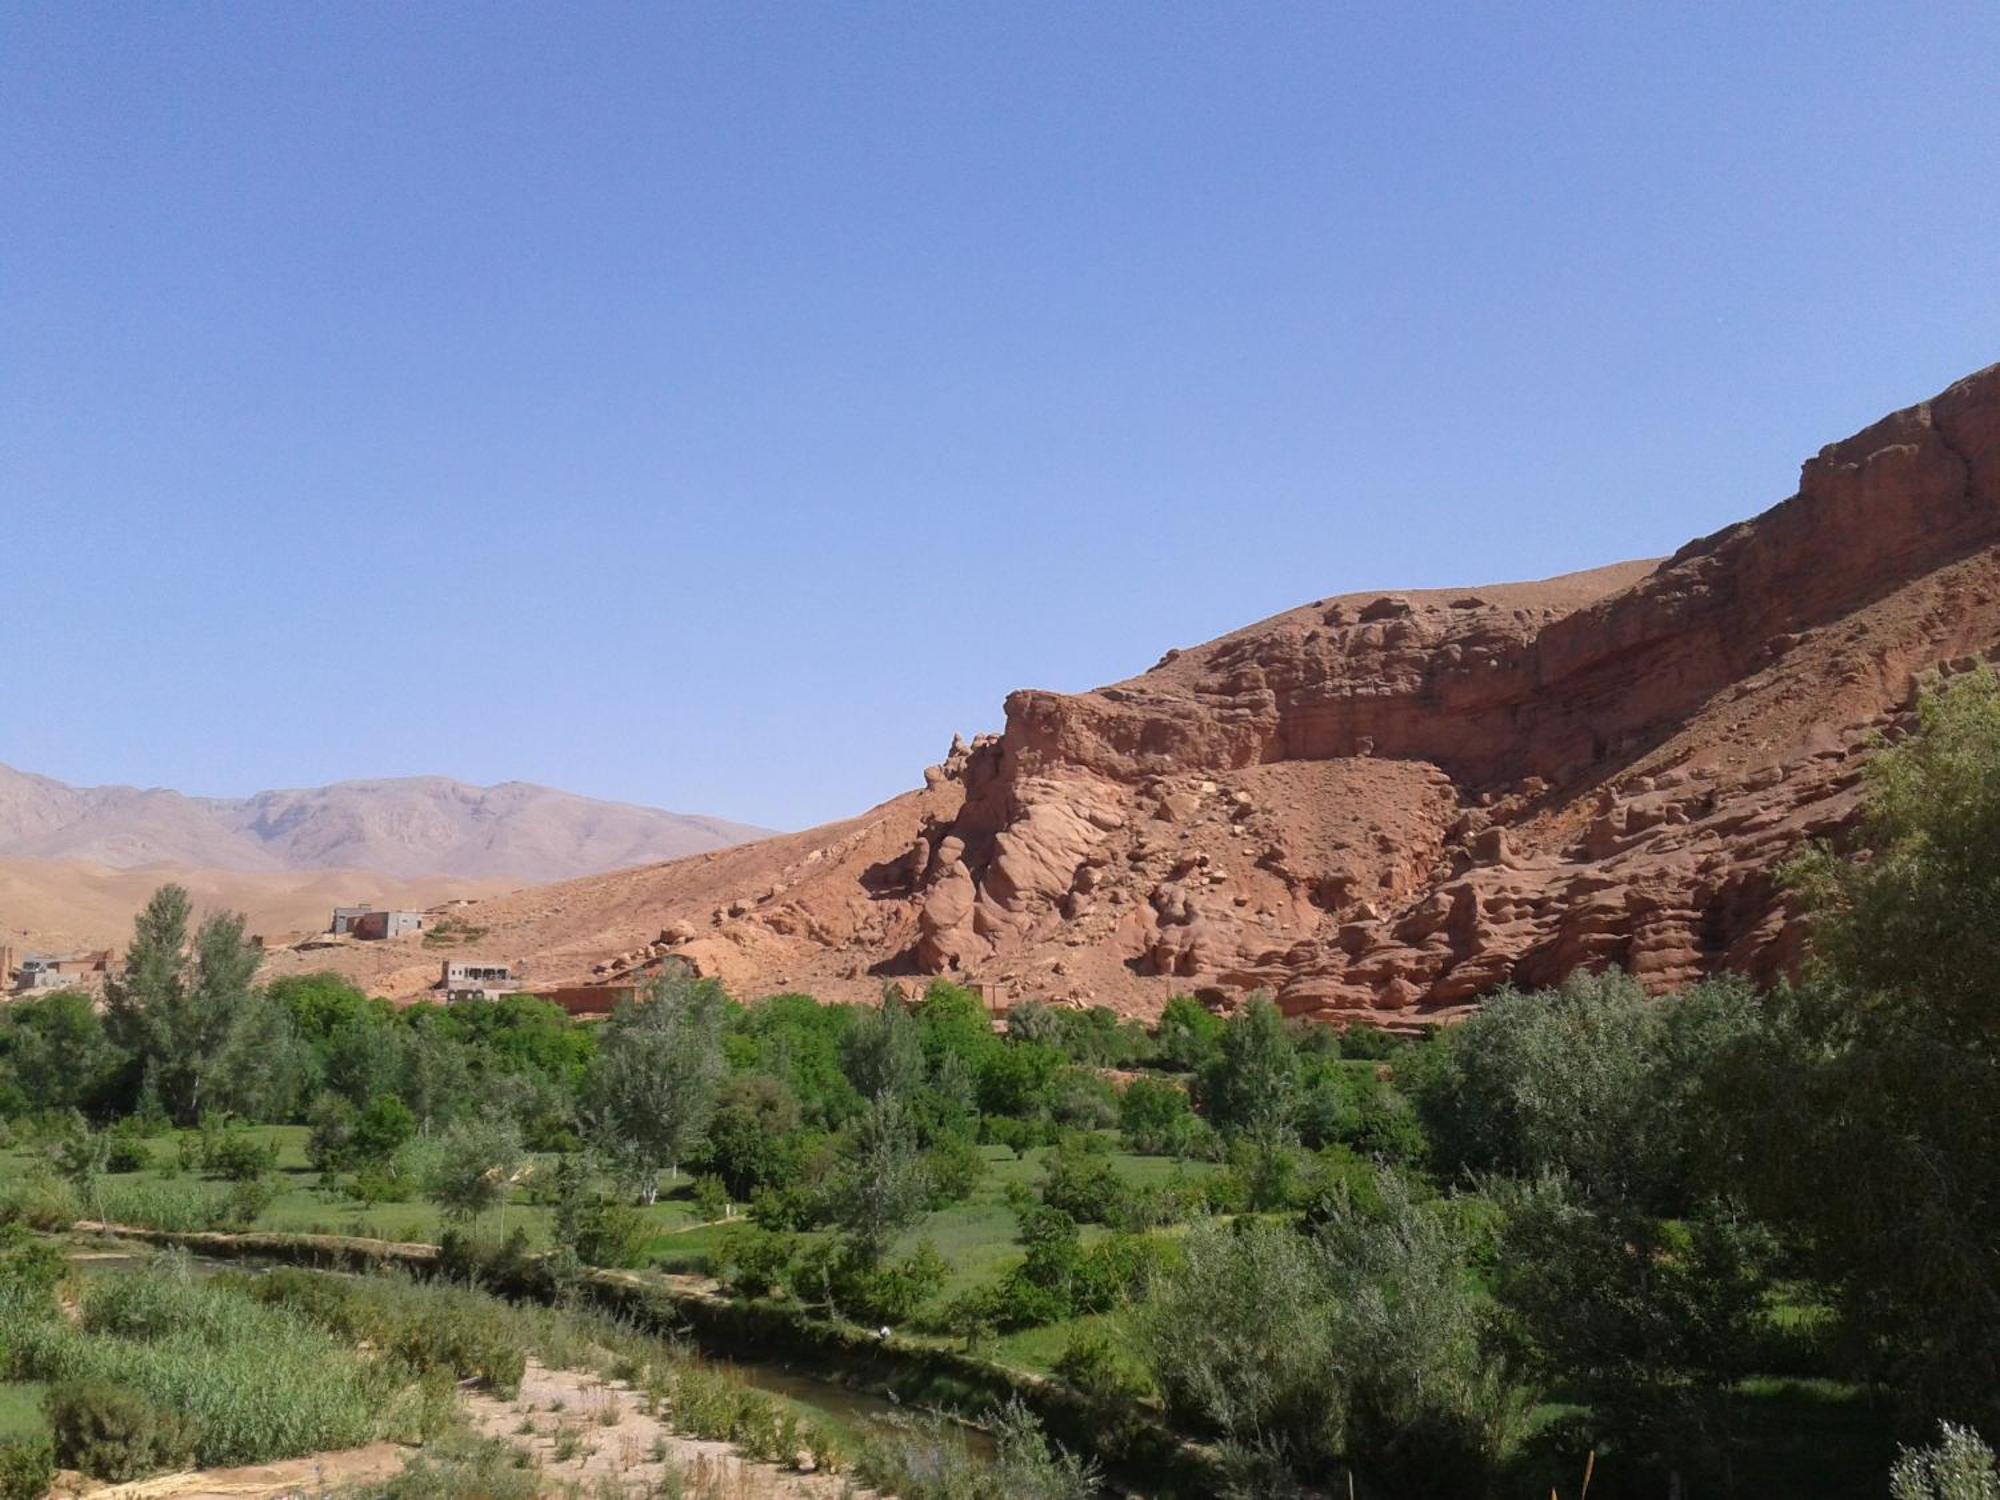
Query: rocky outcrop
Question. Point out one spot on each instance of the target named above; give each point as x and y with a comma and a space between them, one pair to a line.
1385, 805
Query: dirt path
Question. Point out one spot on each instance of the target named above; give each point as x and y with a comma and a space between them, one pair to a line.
321, 1474
586, 1429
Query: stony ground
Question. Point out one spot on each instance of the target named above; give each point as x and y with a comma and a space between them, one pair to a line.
584, 1428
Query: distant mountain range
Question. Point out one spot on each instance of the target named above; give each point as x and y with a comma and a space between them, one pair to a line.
419, 827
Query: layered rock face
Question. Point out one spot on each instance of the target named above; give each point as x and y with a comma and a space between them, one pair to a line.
1383, 806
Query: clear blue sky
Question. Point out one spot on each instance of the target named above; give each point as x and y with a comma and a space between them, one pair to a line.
718, 405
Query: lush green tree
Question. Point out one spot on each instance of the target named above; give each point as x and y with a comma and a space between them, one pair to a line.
1251, 1086
1650, 1321
436, 1081
1430, 1409
1188, 1035
179, 1004
1593, 1081
363, 1056
1157, 1116
1032, 1021
1914, 930
382, 1129
476, 1165
57, 1055
952, 1022
330, 1134
755, 1138
880, 1187
1238, 1339
882, 1052
796, 1039
320, 1004
268, 1070
1014, 1080
652, 1089
1881, 1079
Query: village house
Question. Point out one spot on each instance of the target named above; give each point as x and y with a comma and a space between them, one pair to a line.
374, 923
45, 972
377, 926
472, 979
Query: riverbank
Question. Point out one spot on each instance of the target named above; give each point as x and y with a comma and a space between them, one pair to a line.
908, 1372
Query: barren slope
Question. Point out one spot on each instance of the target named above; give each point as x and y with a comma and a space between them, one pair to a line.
1387, 804
54, 905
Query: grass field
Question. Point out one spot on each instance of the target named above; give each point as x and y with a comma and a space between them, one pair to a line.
976, 1237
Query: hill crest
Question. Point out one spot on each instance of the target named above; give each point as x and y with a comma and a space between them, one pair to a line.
1387, 804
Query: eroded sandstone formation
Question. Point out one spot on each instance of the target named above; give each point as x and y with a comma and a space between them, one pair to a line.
1385, 805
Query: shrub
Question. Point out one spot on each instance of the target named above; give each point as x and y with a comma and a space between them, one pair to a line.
1084, 1186
953, 1167
115, 1433
1099, 1369
1018, 1136
711, 1199
377, 1184
41, 1202
1083, 1101
610, 1233
237, 1155
1959, 1466
755, 1261
929, 1460
126, 1153
462, 1465
30, 1268
458, 1333
789, 1208
1156, 1117
27, 1468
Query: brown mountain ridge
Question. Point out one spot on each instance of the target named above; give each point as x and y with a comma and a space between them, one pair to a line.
1383, 805
407, 828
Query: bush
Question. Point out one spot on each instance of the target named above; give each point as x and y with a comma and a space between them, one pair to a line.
711, 1199
1958, 1467
611, 1233
1018, 1136
1083, 1101
789, 1208
462, 1465
42, 1202
1156, 1117
463, 1336
1084, 1186
845, 1277
930, 1461
30, 1268
375, 1183
27, 1468
244, 1204
237, 1155
126, 1153
1099, 1369
954, 1168
755, 1262
115, 1433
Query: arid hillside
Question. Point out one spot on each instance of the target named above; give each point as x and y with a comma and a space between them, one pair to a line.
413, 828
1385, 804
59, 904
